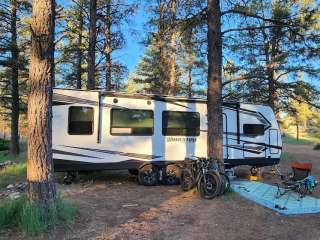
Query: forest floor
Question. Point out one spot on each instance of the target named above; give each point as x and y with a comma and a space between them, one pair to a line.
113, 206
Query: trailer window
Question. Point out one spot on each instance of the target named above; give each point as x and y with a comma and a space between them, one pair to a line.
80, 121
253, 129
131, 122
180, 123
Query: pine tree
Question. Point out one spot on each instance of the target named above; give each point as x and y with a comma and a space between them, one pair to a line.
13, 63
149, 73
72, 49
214, 94
91, 81
272, 53
112, 15
40, 165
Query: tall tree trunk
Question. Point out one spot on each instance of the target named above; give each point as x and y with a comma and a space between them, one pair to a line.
162, 52
92, 45
173, 50
214, 104
79, 47
297, 127
108, 46
40, 165
273, 99
14, 144
189, 81
54, 45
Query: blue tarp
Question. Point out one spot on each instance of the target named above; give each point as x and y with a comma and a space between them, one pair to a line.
265, 195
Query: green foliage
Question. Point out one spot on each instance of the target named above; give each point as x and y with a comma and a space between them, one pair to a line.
304, 140
7, 46
6, 156
33, 218
9, 212
272, 58
317, 146
4, 144
230, 195
285, 156
150, 74
13, 173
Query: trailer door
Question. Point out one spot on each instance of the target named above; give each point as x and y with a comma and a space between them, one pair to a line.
273, 141
254, 146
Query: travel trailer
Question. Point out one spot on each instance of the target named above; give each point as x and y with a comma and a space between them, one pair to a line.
96, 130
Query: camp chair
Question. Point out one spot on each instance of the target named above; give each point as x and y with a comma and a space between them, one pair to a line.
298, 181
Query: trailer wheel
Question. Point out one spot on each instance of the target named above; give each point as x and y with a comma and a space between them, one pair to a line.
148, 175
171, 175
69, 178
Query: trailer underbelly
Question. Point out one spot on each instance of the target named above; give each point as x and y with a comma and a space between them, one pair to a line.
61, 165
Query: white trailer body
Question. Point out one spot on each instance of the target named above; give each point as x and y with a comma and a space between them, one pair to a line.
94, 130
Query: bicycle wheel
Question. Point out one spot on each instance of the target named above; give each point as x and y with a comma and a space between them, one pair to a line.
209, 185
186, 181
225, 183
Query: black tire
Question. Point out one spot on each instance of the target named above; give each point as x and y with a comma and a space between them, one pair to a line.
225, 183
148, 176
186, 181
70, 178
133, 171
67, 180
171, 175
210, 188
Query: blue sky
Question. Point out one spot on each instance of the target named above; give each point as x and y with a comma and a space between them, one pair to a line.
134, 33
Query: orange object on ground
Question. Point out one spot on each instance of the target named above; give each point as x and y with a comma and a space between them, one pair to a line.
253, 178
302, 166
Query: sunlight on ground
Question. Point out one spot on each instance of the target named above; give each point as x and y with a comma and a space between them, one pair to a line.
305, 139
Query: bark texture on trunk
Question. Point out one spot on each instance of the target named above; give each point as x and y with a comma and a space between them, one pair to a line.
214, 106
108, 46
92, 45
79, 48
190, 81
40, 165
173, 50
271, 50
14, 143
162, 52
53, 44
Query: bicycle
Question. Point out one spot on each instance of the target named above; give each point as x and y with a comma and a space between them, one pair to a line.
198, 172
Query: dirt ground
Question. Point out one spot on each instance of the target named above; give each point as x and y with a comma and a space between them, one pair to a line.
114, 206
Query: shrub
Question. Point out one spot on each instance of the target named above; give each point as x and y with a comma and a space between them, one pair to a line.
9, 212
13, 173
33, 218
4, 144
317, 147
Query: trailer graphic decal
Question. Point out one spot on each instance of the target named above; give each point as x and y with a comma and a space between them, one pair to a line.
55, 151
181, 139
60, 99
134, 155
